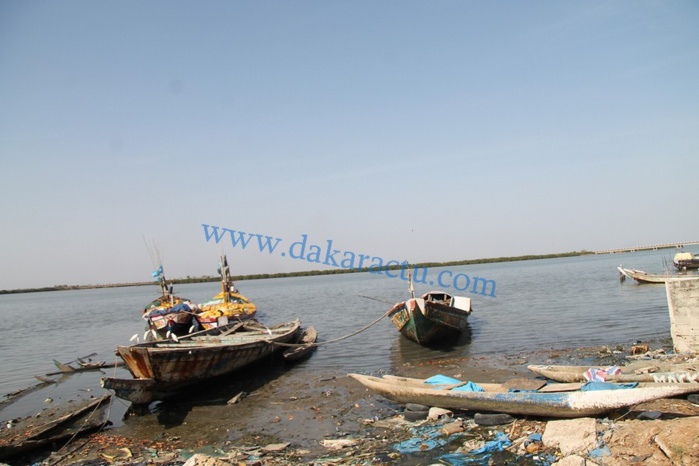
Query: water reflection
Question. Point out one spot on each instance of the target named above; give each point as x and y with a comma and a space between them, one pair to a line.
405, 351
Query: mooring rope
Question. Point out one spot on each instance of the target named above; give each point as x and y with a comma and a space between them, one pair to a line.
335, 340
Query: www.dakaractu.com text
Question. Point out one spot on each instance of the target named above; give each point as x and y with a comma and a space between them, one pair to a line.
325, 253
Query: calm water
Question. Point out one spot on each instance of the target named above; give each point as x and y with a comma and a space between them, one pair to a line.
542, 304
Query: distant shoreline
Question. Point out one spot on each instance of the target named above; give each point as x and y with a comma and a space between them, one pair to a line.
207, 279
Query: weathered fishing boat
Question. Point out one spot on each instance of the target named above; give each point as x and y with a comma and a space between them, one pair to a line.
432, 316
685, 261
306, 340
161, 368
168, 314
641, 371
644, 277
228, 305
556, 400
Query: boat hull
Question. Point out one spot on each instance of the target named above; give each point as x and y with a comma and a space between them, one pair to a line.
162, 368
425, 322
644, 277
298, 353
571, 404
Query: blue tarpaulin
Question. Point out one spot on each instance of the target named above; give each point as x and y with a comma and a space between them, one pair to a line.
425, 438
445, 380
589, 386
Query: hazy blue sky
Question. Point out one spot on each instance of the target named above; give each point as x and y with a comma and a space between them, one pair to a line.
408, 130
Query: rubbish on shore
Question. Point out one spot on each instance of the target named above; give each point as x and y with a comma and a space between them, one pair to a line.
236, 398
27, 435
639, 371
496, 419
339, 444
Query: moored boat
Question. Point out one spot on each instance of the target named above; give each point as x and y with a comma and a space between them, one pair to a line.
685, 261
305, 345
168, 314
161, 368
644, 277
553, 401
228, 305
431, 317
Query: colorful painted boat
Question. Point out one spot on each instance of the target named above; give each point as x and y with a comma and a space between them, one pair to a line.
554, 401
168, 314
228, 305
161, 368
433, 316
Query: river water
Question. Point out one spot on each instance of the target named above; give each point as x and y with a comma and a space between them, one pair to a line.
538, 305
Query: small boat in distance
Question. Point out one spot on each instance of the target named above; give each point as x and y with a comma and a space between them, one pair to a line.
644, 277
228, 305
686, 261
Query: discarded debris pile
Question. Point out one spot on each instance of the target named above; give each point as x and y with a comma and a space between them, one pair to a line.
663, 432
53, 427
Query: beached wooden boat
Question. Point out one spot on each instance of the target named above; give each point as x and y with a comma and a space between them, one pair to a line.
161, 368
307, 339
556, 401
433, 316
228, 305
641, 371
37, 433
644, 277
168, 314
683, 304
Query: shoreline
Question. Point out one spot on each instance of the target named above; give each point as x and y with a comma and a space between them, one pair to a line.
307, 273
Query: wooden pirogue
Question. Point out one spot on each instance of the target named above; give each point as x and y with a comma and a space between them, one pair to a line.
557, 400
161, 368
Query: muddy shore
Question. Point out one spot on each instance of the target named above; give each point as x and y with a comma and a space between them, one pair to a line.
296, 417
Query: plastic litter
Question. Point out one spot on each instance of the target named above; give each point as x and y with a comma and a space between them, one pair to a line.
425, 438
499, 443
589, 386
595, 374
600, 451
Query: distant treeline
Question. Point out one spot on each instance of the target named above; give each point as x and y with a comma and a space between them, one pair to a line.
306, 273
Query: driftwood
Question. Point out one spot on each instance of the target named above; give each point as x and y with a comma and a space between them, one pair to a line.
66, 368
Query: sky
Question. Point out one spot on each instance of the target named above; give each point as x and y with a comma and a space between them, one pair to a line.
401, 130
